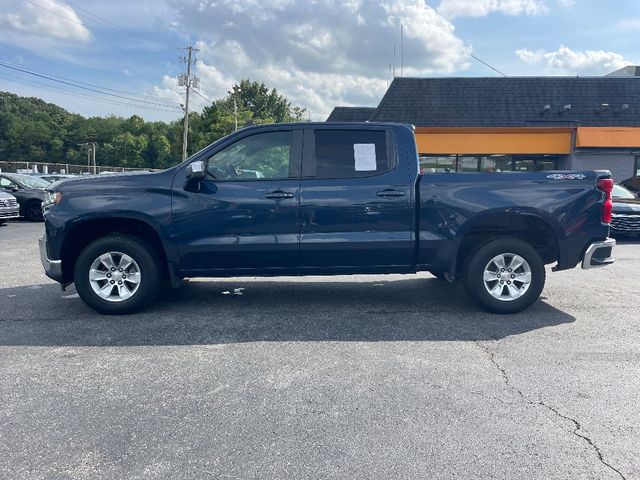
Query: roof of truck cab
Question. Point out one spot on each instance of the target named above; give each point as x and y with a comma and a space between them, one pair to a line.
332, 125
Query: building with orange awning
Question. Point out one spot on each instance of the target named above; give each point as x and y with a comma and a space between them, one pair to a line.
516, 123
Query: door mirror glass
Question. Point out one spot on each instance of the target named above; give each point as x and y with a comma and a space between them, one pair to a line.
196, 170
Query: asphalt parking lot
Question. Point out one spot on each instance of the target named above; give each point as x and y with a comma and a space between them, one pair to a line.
347, 377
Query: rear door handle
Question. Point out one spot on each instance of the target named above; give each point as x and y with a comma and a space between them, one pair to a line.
279, 195
390, 193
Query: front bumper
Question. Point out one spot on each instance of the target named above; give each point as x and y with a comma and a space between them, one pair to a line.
625, 223
53, 268
599, 254
8, 213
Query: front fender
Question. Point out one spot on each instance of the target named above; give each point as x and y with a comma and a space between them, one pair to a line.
77, 208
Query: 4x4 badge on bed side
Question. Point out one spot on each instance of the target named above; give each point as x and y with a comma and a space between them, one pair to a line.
566, 176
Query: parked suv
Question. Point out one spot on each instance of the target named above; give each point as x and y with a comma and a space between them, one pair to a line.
625, 218
9, 207
28, 190
632, 184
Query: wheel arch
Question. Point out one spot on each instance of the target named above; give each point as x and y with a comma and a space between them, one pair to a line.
531, 226
89, 230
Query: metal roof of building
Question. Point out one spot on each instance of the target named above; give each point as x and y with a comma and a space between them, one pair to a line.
508, 102
351, 114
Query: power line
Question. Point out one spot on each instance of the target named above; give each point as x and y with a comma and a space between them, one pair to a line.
202, 96
101, 92
95, 18
56, 13
81, 95
486, 64
124, 92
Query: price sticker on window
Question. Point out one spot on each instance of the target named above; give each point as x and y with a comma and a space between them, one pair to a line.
365, 157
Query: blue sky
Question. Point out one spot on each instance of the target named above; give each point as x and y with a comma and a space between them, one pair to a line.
318, 53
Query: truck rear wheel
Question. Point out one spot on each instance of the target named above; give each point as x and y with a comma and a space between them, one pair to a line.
505, 275
117, 274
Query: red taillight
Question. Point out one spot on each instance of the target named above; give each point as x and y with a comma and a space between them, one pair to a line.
606, 185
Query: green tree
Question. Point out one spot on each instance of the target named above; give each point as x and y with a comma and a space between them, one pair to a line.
158, 152
34, 130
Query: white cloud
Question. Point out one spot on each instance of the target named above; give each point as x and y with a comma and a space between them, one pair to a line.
482, 8
629, 24
322, 54
45, 19
574, 62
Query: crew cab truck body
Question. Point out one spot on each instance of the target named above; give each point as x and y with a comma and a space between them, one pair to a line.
316, 198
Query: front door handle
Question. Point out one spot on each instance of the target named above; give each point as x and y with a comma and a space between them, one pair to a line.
389, 192
279, 195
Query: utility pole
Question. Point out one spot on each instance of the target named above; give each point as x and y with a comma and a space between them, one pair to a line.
188, 81
401, 50
88, 145
232, 93
235, 111
93, 156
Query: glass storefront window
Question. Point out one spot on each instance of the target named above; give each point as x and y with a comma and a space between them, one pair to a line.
468, 164
444, 164
496, 164
524, 166
490, 163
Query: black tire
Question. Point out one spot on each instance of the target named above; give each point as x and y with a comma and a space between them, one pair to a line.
478, 260
33, 211
150, 274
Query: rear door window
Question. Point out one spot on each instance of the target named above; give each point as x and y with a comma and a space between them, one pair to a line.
351, 153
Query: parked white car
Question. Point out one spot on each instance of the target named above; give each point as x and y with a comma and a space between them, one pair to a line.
9, 207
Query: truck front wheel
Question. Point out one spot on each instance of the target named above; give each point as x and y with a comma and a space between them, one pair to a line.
505, 275
117, 274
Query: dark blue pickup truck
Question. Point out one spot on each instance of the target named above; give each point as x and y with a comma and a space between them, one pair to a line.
322, 199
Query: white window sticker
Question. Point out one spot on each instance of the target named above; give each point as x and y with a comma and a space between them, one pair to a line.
365, 156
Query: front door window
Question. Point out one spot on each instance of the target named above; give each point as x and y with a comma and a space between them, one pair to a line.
262, 156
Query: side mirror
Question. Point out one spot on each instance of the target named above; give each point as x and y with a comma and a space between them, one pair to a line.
196, 170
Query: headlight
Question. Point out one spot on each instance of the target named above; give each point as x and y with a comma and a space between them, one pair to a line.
51, 198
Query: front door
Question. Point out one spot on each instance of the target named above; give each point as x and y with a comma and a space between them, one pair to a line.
244, 214
356, 201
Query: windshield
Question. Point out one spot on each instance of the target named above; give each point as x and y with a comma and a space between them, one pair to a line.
621, 192
30, 182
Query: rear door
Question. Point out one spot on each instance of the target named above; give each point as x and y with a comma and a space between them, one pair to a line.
356, 202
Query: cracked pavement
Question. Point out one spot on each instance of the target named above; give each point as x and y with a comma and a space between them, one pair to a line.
343, 377
576, 424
